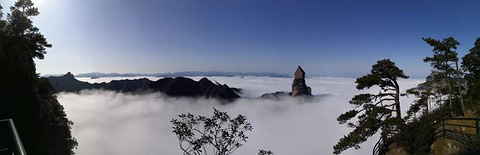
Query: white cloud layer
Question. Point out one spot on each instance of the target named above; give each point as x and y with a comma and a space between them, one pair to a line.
124, 124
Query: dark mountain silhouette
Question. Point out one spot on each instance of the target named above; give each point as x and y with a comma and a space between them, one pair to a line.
68, 83
182, 74
178, 86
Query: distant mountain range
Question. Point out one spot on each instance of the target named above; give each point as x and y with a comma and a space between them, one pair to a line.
178, 86
180, 74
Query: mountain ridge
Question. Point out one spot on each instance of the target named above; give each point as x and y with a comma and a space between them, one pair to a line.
179, 74
178, 86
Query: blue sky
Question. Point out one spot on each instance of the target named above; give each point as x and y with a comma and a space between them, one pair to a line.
329, 38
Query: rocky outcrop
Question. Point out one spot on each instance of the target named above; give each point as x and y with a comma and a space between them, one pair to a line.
299, 87
178, 86
68, 83
275, 96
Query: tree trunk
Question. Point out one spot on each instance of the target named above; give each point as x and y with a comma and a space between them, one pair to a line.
397, 100
459, 88
447, 76
450, 98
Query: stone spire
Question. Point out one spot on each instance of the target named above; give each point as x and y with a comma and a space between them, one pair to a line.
299, 87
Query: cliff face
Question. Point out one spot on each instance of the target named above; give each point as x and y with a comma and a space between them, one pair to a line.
179, 86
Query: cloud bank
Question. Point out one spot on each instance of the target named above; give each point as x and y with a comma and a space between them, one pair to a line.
123, 124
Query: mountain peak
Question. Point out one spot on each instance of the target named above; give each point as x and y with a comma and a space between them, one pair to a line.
69, 75
299, 86
299, 73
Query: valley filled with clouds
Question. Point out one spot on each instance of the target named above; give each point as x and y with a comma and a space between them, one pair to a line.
108, 122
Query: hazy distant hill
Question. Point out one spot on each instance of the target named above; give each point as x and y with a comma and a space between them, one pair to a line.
180, 74
178, 86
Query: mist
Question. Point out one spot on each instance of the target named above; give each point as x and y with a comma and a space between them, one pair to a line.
107, 122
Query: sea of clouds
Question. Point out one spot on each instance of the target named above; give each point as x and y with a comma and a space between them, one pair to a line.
107, 122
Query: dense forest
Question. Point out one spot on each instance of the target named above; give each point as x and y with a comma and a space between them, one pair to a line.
25, 97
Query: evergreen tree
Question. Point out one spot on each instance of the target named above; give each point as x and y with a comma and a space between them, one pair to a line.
39, 118
471, 65
426, 93
444, 74
422, 102
374, 111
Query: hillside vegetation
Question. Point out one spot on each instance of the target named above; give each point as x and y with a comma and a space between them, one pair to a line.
27, 99
442, 120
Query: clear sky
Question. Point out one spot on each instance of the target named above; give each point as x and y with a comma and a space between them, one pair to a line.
325, 37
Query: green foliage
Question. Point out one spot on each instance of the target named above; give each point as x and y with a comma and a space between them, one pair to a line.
416, 136
343, 118
368, 125
39, 118
224, 134
373, 111
361, 99
22, 34
447, 79
421, 103
53, 120
471, 62
475, 144
471, 65
383, 74
443, 53
441, 79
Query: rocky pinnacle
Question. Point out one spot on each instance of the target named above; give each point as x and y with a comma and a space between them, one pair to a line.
299, 87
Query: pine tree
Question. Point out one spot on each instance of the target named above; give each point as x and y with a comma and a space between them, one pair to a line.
443, 58
471, 65
40, 120
374, 111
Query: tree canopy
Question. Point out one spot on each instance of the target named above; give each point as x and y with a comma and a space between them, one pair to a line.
373, 111
27, 99
418, 135
445, 76
471, 65
224, 134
